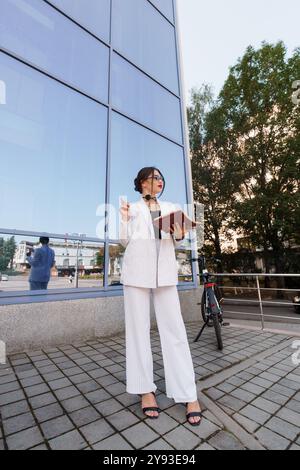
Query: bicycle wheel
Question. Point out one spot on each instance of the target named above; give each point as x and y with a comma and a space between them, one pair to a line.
217, 327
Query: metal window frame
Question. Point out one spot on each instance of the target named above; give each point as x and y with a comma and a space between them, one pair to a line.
107, 290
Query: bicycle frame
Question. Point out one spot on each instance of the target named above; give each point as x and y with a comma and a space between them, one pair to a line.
211, 304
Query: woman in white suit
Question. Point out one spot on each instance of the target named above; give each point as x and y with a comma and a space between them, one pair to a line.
149, 263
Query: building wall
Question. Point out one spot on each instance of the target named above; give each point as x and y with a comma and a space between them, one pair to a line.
36, 326
93, 95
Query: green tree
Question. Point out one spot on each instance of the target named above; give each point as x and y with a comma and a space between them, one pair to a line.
215, 166
263, 122
7, 252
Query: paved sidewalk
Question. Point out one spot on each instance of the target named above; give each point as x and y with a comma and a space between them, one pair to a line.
74, 397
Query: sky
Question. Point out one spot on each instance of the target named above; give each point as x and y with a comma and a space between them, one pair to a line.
215, 33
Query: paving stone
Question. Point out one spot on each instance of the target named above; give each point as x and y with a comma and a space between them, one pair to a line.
225, 441
204, 430
2, 444
293, 405
108, 407
162, 425
159, 444
270, 377
89, 386
214, 393
261, 382
205, 447
122, 420
116, 389
42, 400
236, 381
177, 412
294, 447
182, 438
275, 397
287, 392
272, 441
18, 423
266, 405
25, 439
51, 376
115, 442
56, 427
97, 396
29, 368
252, 388
291, 384
10, 387
8, 411
226, 387
297, 396
48, 412
72, 371
285, 429
36, 390
140, 435
20, 375
60, 383
246, 397
37, 379
246, 423
289, 416
69, 441
255, 414
231, 402
7, 379
85, 416
67, 392
11, 397
74, 404
80, 378
96, 431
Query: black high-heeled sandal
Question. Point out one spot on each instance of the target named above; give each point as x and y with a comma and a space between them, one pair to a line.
193, 414
151, 408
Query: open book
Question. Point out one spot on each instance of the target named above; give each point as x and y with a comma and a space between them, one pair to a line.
166, 221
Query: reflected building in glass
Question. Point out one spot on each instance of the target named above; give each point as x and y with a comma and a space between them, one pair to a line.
93, 94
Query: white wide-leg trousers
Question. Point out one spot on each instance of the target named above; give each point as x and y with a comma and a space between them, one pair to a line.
177, 359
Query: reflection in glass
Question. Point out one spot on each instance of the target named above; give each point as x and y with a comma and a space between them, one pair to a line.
116, 253
53, 154
185, 272
77, 263
166, 7
132, 148
95, 18
42, 36
145, 37
142, 98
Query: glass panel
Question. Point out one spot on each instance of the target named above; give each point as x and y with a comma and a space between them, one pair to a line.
132, 148
95, 18
116, 253
142, 98
52, 155
143, 35
185, 272
166, 7
42, 36
77, 264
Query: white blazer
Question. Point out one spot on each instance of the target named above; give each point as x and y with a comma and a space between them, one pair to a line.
139, 265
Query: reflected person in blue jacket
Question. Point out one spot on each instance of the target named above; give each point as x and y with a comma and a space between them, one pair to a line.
41, 262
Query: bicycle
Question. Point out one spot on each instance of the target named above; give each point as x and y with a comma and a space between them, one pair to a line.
211, 310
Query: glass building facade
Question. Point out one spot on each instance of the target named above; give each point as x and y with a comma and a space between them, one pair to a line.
93, 93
